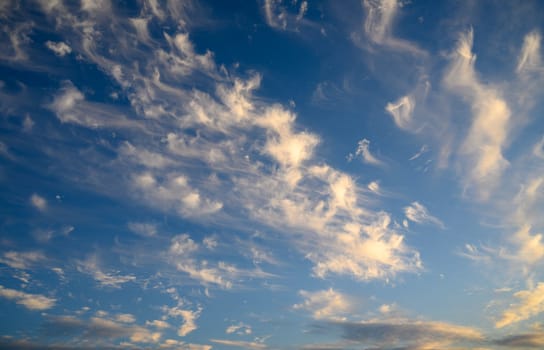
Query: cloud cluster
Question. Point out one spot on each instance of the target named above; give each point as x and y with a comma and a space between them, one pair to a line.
197, 142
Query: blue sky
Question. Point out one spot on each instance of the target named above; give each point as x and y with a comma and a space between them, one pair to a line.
271, 174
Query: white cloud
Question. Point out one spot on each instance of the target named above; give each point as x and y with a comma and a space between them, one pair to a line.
530, 303
38, 202
210, 242
387, 308
530, 246
363, 150
4, 151
70, 106
379, 18
65, 103
15, 41
538, 149
374, 187
189, 325
158, 324
529, 58
185, 255
275, 15
302, 10
239, 328
419, 153
144, 157
402, 112
182, 58
189, 318
28, 124
478, 254
289, 148
417, 213
141, 27
45, 235
527, 241
125, 318
143, 229
60, 48
286, 15
325, 304
22, 260
175, 193
378, 25
488, 133
30, 301
107, 279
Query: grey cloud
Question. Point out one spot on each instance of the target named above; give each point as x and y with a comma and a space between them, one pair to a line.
526, 340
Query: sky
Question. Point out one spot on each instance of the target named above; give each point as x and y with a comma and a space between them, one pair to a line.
271, 174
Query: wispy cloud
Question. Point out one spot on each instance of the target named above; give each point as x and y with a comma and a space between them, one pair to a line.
22, 260
402, 112
284, 15
488, 134
418, 213
530, 303
59, 48
112, 279
143, 228
70, 106
239, 328
363, 150
45, 235
529, 58
38, 202
30, 301
188, 316
159, 324
424, 149
378, 25
185, 254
